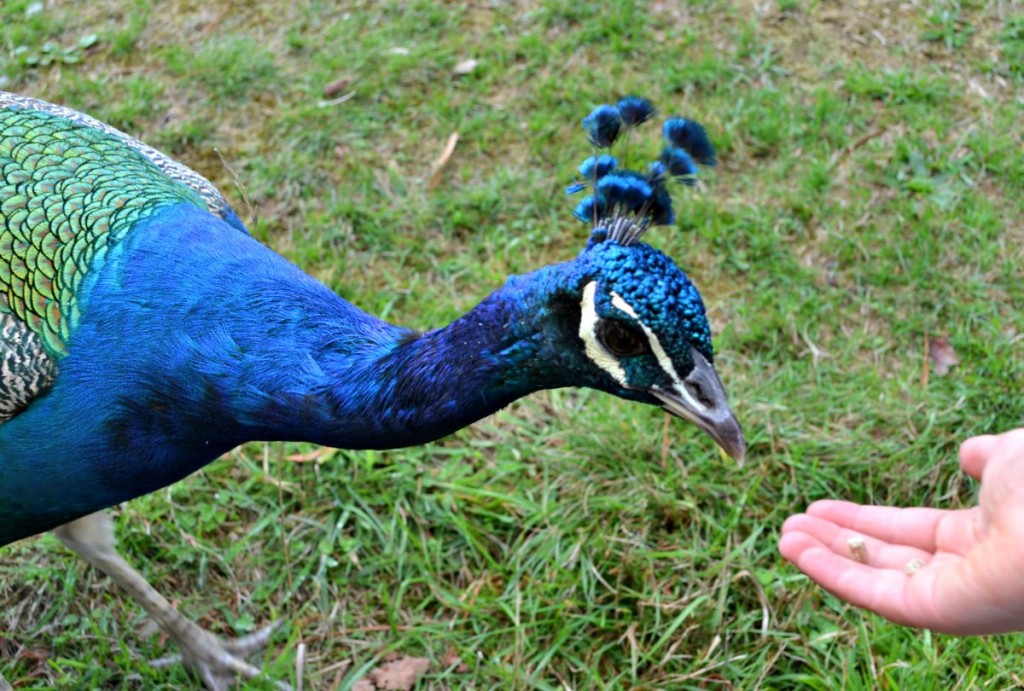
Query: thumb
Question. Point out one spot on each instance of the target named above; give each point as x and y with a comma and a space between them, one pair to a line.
975, 452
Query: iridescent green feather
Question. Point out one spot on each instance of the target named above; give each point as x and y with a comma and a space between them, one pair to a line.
70, 192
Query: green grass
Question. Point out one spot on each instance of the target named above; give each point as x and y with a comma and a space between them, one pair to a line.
870, 196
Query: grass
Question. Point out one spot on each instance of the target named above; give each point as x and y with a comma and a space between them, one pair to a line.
870, 196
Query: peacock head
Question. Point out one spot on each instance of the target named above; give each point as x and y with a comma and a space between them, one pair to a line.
642, 321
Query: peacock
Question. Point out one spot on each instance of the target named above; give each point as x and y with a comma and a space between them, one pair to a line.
144, 333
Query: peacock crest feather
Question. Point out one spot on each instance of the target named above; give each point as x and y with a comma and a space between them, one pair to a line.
624, 203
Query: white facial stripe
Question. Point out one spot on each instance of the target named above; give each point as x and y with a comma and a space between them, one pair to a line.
663, 359
675, 407
588, 333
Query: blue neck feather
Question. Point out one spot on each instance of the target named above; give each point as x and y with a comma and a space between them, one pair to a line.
402, 388
282, 357
251, 348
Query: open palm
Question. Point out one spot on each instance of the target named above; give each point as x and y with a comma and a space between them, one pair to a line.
959, 572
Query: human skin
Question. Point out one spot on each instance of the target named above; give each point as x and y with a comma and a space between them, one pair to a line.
969, 575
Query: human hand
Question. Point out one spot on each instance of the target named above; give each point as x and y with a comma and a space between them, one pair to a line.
959, 572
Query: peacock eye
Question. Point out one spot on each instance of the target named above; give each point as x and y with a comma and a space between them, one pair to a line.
619, 339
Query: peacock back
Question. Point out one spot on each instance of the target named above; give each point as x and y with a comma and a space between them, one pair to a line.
71, 189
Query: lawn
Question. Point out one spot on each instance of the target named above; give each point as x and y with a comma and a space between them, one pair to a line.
869, 202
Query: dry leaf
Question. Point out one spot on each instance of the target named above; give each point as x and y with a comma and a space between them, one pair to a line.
942, 354
465, 67
442, 160
454, 662
336, 87
336, 101
363, 685
400, 675
323, 453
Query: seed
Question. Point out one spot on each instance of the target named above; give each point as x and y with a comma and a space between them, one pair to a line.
913, 566
857, 549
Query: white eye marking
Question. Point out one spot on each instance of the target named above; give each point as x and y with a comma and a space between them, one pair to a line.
659, 352
588, 333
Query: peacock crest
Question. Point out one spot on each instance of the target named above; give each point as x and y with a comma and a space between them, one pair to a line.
624, 203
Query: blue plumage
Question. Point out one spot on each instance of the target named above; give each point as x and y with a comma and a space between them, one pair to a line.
626, 203
588, 211
635, 110
596, 167
603, 125
678, 163
690, 136
190, 337
626, 190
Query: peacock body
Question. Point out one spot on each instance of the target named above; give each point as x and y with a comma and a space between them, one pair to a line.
143, 333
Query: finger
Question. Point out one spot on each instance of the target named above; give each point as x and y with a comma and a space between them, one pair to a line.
856, 546
937, 597
923, 528
975, 452
898, 595
880, 590
945, 595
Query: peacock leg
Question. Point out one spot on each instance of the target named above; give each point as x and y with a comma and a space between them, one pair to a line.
219, 662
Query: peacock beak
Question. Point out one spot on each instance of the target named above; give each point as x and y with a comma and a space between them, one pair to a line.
701, 399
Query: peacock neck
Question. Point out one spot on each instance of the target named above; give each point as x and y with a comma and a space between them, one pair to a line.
282, 357
409, 388
182, 365
443, 380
